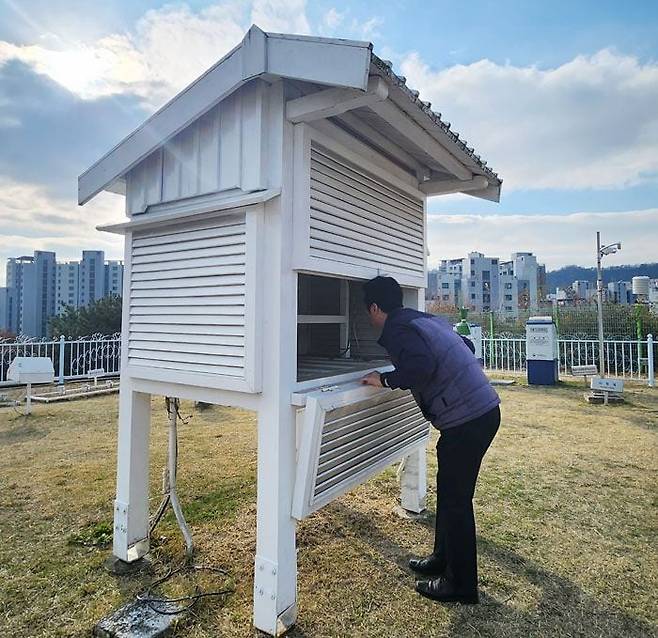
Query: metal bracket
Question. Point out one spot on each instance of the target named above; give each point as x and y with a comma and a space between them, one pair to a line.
265, 579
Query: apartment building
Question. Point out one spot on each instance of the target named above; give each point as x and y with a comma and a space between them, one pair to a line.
67, 285
113, 284
620, 292
583, 290
480, 282
509, 290
38, 287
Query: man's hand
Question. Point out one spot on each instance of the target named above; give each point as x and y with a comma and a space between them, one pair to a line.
373, 380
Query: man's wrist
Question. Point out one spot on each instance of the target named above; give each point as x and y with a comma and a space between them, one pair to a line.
382, 379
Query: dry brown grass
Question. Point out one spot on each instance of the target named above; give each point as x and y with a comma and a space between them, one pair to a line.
566, 509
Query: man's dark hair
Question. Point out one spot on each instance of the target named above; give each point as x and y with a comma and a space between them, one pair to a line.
384, 291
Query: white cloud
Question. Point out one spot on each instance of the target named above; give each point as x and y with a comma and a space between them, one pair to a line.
32, 220
557, 240
590, 123
281, 16
368, 30
332, 18
168, 49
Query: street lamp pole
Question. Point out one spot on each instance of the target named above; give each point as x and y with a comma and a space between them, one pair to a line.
600, 252
599, 295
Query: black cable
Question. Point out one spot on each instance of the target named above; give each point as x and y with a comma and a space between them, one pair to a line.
151, 601
146, 596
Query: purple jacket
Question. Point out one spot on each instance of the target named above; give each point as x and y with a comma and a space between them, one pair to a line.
433, 362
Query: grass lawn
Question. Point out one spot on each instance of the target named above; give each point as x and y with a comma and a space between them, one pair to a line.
566, 506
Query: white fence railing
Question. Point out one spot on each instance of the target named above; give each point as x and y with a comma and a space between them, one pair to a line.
72, 358
623, 359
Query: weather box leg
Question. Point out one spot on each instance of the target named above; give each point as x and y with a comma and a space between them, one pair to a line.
275, 568
131, 507
413, 481
28, 399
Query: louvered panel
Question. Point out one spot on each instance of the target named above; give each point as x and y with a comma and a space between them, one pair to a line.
219, 261
360, 220
181, 320
183, 357
174, 253
165, 283
367, 206
194, 300
192, 329
329, 208
186, 240
189, 292
371, 192
190, 271
178, 366
323, 157
218, 310
348, 438
190, 348
192, 339
188, 298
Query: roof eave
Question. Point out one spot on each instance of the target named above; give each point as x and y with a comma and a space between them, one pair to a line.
346, 64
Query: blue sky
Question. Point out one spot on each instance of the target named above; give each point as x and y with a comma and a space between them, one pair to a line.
559, 97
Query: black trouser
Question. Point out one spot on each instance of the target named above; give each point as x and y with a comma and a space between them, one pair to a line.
460, 451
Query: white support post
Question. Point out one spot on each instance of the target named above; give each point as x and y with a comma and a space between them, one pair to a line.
275, 565
28, 399
650, 362
62, 348
131, 507
413, 481
413, 475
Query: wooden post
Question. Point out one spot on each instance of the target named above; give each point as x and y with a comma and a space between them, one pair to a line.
131, 507
275, 565
62, 349
413, 477
650, 362
28, 399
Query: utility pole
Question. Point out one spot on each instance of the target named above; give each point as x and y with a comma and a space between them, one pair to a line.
599, 295
600, 252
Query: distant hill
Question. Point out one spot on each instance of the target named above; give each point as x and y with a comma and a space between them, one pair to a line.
564, 277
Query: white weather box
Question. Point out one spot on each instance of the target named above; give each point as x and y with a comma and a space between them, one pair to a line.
359, 220
476, 338
350, 432
541, 339
189, 307
31, 370
542, 353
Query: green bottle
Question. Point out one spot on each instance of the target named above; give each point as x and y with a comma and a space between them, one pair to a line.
462, 327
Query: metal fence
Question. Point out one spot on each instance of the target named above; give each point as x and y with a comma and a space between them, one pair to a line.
622, 358
72, 358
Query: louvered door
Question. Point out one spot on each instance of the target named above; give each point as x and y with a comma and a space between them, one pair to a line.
188, 309
355, 220
348, 436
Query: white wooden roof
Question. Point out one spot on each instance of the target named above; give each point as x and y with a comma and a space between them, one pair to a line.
367, 97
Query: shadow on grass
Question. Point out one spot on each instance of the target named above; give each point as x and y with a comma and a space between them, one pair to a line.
562, 608
22, 429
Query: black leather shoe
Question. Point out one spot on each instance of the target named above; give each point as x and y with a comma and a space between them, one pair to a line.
428, 566
443, 591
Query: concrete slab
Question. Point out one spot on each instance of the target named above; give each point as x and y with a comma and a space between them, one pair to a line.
138, 619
